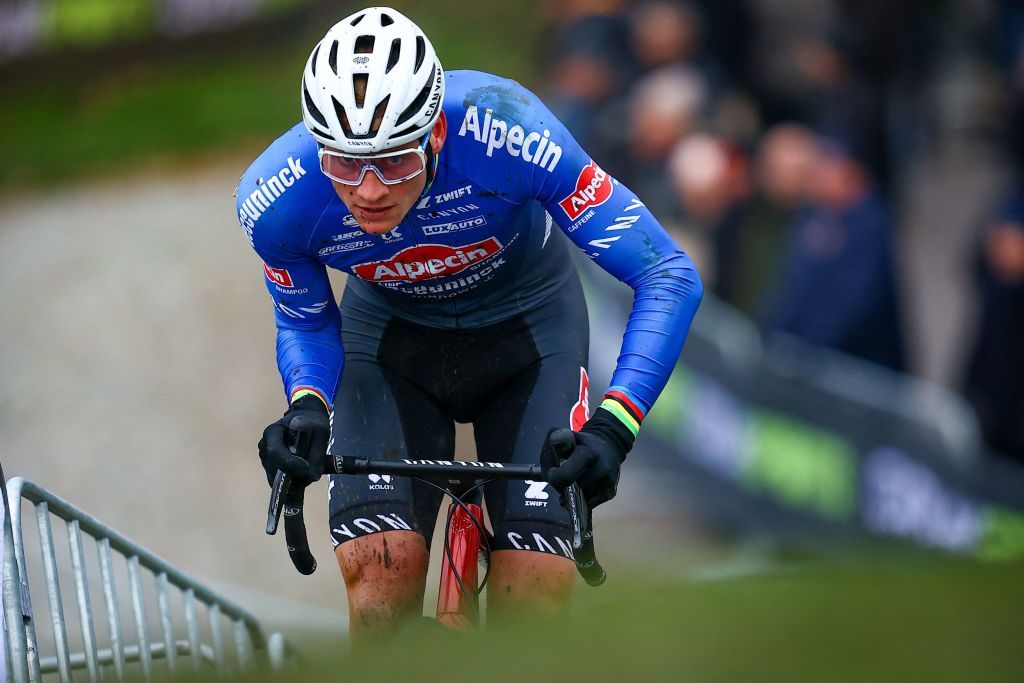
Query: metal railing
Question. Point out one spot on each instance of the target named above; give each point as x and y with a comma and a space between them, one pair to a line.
175, 641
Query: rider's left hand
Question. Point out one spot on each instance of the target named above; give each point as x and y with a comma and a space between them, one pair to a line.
601, 447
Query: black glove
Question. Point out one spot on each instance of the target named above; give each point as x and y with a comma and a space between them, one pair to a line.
305, 424
601, 446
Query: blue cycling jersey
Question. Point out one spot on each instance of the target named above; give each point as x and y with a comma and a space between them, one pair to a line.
484, 242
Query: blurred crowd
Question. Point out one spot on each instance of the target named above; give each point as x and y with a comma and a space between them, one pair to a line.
775, 138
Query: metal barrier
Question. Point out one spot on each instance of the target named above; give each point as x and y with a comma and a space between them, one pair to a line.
24, 663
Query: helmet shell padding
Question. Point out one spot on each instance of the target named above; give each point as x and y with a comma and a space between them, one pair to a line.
372, 83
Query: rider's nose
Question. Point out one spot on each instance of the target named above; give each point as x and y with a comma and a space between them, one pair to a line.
371, 190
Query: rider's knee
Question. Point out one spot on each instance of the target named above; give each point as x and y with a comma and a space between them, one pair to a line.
390, 560
524, 582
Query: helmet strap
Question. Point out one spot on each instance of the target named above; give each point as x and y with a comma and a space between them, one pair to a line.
431, 165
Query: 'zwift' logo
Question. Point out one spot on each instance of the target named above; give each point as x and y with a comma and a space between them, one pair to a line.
427, 261
533, 147
593, 188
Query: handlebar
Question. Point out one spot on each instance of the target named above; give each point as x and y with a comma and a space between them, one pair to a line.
437, 469
283, 498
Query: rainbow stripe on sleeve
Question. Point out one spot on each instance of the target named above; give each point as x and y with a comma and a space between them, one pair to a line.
299, 392
625, 409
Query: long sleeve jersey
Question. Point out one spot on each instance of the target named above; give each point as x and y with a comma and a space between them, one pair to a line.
488, 238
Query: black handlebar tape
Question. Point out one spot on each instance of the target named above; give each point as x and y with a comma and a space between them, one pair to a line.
586, 559
295, 532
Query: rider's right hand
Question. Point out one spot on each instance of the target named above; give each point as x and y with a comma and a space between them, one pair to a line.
305, 422
592, 457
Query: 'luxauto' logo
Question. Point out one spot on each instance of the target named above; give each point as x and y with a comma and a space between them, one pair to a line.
442, 228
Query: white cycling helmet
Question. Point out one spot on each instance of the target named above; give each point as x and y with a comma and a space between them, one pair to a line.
372, 65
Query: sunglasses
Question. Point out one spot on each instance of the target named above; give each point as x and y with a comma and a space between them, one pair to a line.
391, 167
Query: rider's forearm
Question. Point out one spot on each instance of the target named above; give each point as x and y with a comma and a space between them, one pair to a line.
310, 362
665, 300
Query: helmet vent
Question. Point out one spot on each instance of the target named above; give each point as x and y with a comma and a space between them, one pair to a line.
343, 117
420, 100
357, 20
421, 50
386, 20
364, 44
312, 108
333, 58
359, 82
378, 114
396, 51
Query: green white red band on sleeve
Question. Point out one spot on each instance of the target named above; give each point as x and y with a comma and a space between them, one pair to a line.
299, 392
623, 408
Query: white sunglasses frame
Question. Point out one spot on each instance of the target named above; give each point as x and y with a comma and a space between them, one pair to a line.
367, 163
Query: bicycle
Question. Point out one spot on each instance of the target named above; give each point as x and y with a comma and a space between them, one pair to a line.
467, 539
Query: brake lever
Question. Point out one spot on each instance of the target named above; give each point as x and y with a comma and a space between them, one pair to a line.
284, 499
277, 489
571, 498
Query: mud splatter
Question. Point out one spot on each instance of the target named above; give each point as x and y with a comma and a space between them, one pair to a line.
505, 102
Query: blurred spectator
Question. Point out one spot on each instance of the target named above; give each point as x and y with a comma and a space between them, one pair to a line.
837, 100
664, 107
590, 71
838, 288
595, 28
664, 34
583, 86
712, 181
995, 375
787, 164
750, 239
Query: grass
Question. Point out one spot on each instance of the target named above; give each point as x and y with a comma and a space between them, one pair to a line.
135, 114
877, 621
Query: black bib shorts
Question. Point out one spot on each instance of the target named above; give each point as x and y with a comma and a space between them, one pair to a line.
405, 385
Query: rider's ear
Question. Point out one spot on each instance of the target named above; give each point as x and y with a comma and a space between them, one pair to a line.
438, 133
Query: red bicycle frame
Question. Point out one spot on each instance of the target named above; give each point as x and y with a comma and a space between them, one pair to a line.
457, 605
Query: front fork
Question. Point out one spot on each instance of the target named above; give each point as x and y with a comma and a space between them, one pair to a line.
458, 607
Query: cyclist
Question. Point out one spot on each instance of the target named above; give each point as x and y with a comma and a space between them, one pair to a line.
450, 200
